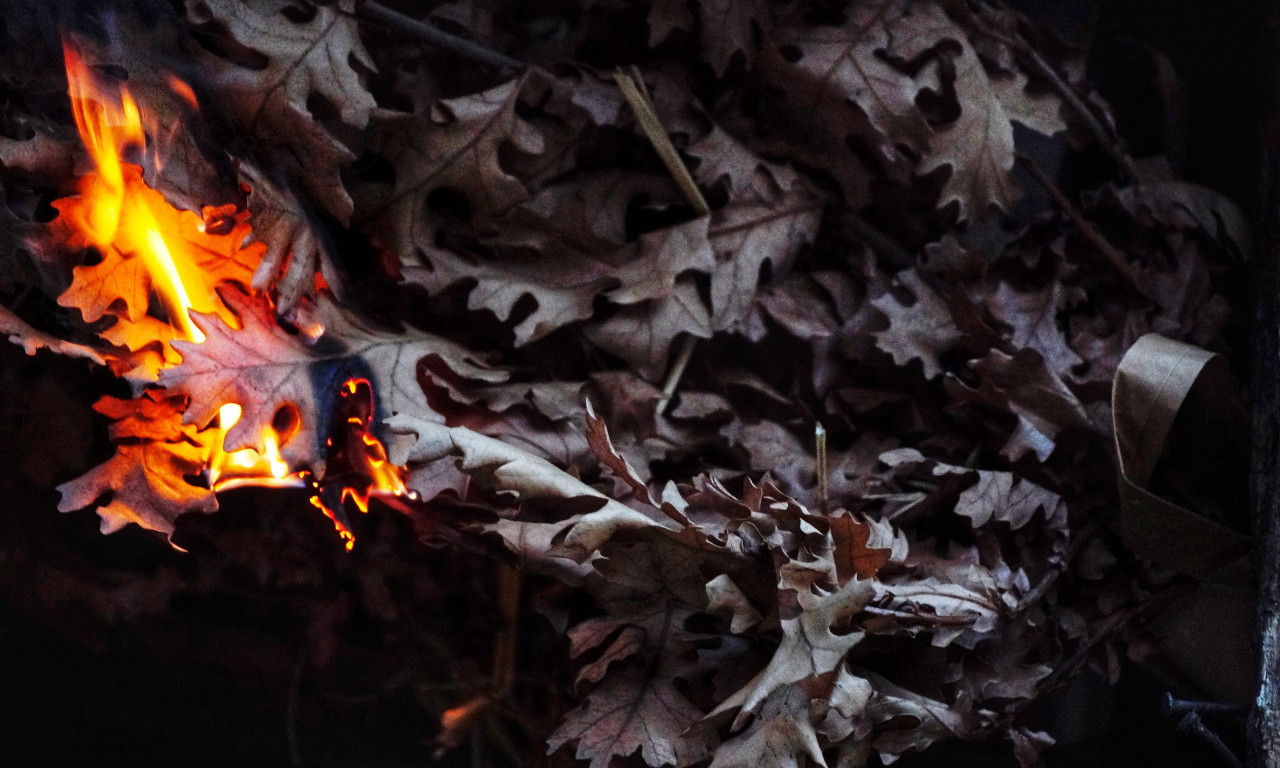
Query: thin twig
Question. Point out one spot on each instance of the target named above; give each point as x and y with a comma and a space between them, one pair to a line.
921, 618
1083, 225
510, 581
633, 90
1101, 632
677, 370
291, 709
1192, 724
820, 461
460, 46
637, 95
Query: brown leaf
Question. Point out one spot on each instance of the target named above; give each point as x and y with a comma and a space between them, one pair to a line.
602, 446
826, 67
294, 251
1000, 496
978, 145
808, 647
1033, 317
922, 330
1021, 384
455, 147
854, 558
314, 53
914, 721
631, 711
778, 737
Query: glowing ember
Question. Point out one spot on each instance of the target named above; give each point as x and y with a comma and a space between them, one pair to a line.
357, 465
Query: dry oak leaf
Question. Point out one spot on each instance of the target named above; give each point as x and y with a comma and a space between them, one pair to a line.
978, 145
630, 712
654, 586
153, 415
999, 496
146, 481
1033, 317
41, 155
855, 541
310, 51
769, 223
295, 252
643, 334
264, 368
809, 647
515, 471
456, 147
825, 68
778, 737
727, 27
19, 332
923, 330
1022, 385
914, 721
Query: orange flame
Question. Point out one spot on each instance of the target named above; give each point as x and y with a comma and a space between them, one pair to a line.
246, 466
117, 211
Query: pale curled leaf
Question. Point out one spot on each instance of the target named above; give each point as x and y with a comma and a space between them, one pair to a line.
526, 476
808, 648
778, 737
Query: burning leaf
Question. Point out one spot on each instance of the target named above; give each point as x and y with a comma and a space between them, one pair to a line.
268, 371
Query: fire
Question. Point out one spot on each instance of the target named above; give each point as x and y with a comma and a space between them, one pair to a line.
127, 221
357, 466
246, 466
116, 212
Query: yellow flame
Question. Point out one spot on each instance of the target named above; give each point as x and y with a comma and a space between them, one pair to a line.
118, 211
246, 466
